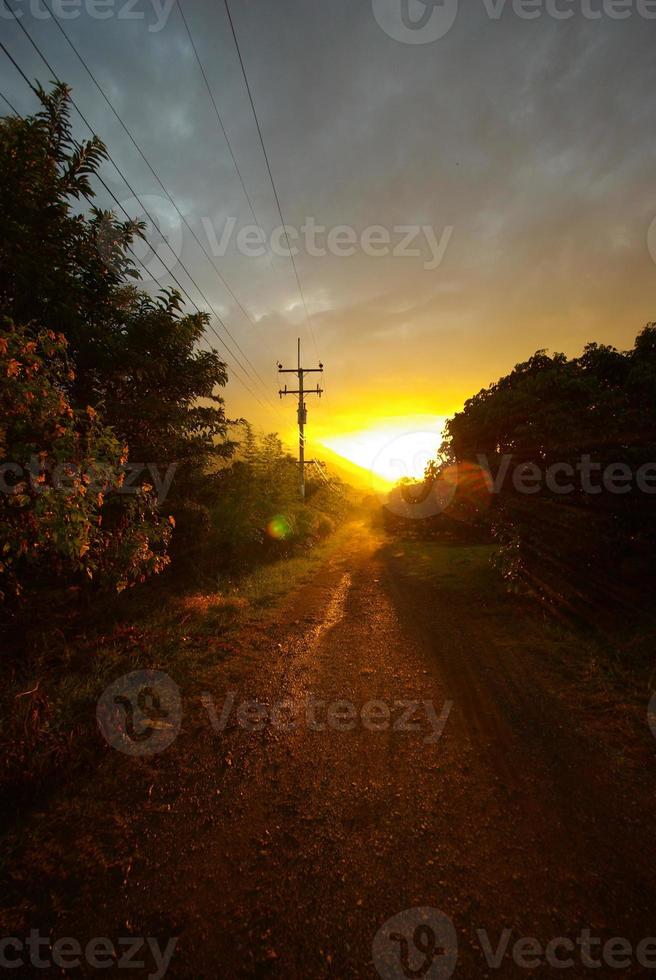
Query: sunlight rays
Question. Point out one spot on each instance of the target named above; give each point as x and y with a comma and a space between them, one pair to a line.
390, 449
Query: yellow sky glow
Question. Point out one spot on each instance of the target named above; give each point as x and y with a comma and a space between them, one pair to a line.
389, 449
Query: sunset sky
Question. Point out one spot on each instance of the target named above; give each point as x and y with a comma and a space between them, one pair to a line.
533, 141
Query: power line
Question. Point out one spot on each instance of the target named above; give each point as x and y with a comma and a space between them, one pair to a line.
218, 114
268, 165
211, 325
254, 215
118, 203
5, 99
136, 196
273, 184
321, 470
161, 184
17, 66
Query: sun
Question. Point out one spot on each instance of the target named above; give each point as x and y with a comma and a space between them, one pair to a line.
392, 449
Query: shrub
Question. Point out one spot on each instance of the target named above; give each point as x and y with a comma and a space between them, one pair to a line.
60, 473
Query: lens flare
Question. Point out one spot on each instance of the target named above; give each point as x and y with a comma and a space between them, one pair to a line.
279, 528
471, 494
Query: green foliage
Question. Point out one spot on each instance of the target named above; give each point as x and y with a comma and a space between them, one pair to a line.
550, 404
71, 272
58, 267
160, 389
66, 271
60, 471
258, 513
578, 548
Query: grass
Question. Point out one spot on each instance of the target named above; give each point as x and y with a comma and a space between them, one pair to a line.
48, 695
618, 660
459, 568
602, 678
269, 583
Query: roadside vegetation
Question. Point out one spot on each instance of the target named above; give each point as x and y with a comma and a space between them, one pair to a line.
556, 461
571, 446
139, 525
545, 487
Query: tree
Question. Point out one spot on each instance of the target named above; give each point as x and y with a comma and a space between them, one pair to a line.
135, 360
555, 410
60, 472
59, 268
70, 271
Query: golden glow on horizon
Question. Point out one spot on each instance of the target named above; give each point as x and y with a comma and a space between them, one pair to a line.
391, 449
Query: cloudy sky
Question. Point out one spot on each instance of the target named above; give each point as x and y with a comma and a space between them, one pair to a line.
518, 153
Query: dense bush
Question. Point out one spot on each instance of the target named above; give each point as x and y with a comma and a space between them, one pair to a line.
258, 513
61, 471
580, 548
133, 360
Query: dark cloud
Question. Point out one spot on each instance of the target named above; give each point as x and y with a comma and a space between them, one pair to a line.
535, 140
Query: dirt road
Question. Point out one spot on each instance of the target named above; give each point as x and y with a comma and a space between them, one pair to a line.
410, 748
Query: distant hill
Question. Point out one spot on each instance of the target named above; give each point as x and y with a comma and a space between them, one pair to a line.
347, 471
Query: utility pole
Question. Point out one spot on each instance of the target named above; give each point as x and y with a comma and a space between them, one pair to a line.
301, 391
